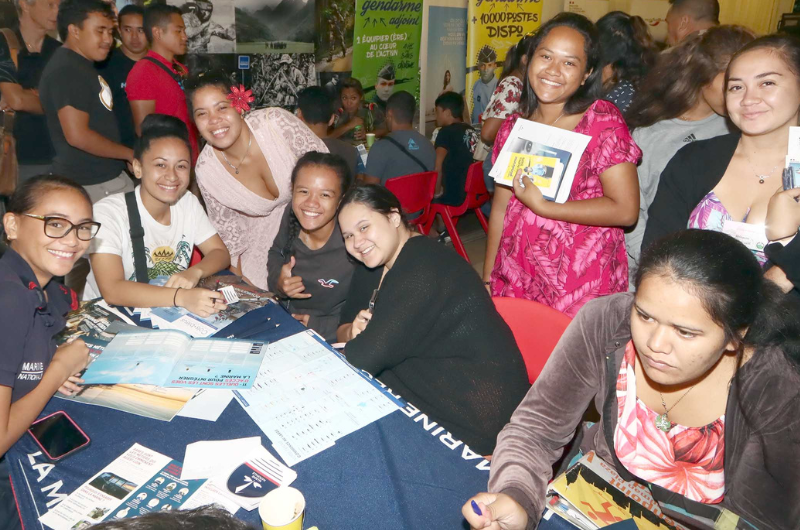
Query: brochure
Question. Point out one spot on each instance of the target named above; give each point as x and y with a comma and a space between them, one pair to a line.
139, 481
246, 299
548, 155
150, 401
94, 322
174, 359
591, 494
307, 396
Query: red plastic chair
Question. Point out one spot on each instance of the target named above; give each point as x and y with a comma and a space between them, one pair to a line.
536, 328
196, 257
415, 193
477, 195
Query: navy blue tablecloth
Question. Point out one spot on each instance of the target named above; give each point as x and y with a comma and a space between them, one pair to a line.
401, 472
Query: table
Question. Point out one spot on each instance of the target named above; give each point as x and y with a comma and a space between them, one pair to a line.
401, 472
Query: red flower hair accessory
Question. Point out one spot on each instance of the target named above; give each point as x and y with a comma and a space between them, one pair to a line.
372, 106
241, 98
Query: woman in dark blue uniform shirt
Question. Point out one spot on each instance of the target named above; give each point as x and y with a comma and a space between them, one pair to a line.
48, 226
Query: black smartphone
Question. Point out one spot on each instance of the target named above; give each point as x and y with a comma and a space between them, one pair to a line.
58, 435
788, 179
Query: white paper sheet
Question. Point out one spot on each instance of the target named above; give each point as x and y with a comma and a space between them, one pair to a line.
207, 405
306, 397
207, 459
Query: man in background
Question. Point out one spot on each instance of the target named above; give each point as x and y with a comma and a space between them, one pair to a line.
484, 87
119, 64
315, 109
155, 84
690, 16
78, 102
403, 151
19, 83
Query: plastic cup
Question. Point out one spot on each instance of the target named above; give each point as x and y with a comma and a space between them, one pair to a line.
370, 139
282, 509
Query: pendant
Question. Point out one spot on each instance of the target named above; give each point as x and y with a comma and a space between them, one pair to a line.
662, 422
237, 172
761, 179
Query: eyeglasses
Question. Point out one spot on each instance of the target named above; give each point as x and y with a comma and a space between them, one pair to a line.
58, 227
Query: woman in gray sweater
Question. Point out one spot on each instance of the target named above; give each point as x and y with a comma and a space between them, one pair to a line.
697, 380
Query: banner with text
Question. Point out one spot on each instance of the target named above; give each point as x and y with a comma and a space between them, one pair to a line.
492, 27
386, 49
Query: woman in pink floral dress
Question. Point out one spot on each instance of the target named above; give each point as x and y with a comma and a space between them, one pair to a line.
563, 255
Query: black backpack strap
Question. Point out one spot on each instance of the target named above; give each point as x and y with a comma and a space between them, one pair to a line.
178, 79
406, 151
137, 238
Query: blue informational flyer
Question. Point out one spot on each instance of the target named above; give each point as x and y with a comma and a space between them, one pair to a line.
172, 358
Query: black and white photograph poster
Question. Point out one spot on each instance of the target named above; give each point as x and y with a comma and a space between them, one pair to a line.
210, 25
275, 26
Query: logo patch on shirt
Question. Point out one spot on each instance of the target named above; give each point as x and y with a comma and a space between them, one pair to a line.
328, 284
690, 138
105, 94
412, 145
31, 372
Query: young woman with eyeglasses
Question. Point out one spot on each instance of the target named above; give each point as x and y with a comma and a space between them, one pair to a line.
48, 227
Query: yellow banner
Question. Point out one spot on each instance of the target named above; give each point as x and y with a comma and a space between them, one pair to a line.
492, 27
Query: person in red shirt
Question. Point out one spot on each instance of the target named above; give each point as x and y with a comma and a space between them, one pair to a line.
155, 84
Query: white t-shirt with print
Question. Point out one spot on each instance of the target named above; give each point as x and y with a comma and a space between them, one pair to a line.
168, 247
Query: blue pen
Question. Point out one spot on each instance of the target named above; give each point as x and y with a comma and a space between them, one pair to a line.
476, 509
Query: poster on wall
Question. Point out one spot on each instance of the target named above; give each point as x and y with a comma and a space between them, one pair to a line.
386, 47
445, 70
335, 21
210, 25
274, 78
591, 9
492, 27
275, 26
654, 12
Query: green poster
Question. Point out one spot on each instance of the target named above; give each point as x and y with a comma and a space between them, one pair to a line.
386, 47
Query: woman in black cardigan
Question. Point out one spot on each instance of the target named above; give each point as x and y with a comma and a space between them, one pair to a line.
432, 333
711, 183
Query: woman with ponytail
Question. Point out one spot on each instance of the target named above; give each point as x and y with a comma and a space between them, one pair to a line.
627, 52
697, 380
308, 267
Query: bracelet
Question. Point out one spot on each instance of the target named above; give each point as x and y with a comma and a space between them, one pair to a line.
175, 297
487, 283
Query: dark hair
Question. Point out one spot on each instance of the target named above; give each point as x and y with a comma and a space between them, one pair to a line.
591, 90
673, 86
375, 197
77, 11
402, 104
157, 15
156, 127
30, 192
625, 45
316, 104
707, 10
209, 517
785, 45
514, 56
728, 280
215, 78
355, 84
335, 163
453, 102
130, 9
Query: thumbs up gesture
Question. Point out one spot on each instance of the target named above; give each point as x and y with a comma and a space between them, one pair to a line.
291, 286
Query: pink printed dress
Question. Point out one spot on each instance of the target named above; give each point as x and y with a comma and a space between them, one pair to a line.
560, 264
